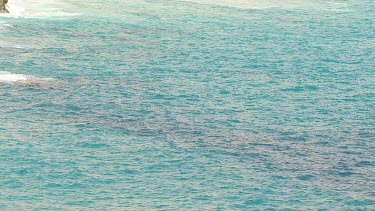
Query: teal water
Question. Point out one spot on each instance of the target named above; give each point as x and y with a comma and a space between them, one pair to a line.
178, 105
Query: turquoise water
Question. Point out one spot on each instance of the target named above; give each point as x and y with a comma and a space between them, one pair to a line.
178, 105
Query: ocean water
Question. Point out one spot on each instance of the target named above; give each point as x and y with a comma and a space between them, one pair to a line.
187, 105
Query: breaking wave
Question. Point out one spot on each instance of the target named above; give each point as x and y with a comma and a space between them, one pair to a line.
39, 9
10, 78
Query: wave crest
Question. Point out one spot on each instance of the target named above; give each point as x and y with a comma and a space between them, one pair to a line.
10, 78
38, 9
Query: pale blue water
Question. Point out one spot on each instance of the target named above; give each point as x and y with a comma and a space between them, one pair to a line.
172, 105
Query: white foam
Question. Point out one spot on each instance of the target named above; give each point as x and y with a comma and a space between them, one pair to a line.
10, 78
6, 77
337, 7
38, 9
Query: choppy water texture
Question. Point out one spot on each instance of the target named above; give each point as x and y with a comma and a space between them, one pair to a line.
162, 105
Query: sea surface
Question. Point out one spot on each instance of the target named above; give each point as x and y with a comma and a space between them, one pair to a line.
187, 105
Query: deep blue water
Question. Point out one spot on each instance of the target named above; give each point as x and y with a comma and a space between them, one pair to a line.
171, 105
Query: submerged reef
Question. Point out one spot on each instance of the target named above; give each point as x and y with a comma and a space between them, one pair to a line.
3, 8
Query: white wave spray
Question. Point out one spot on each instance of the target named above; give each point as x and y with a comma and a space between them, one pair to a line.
11, 78
39, 8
